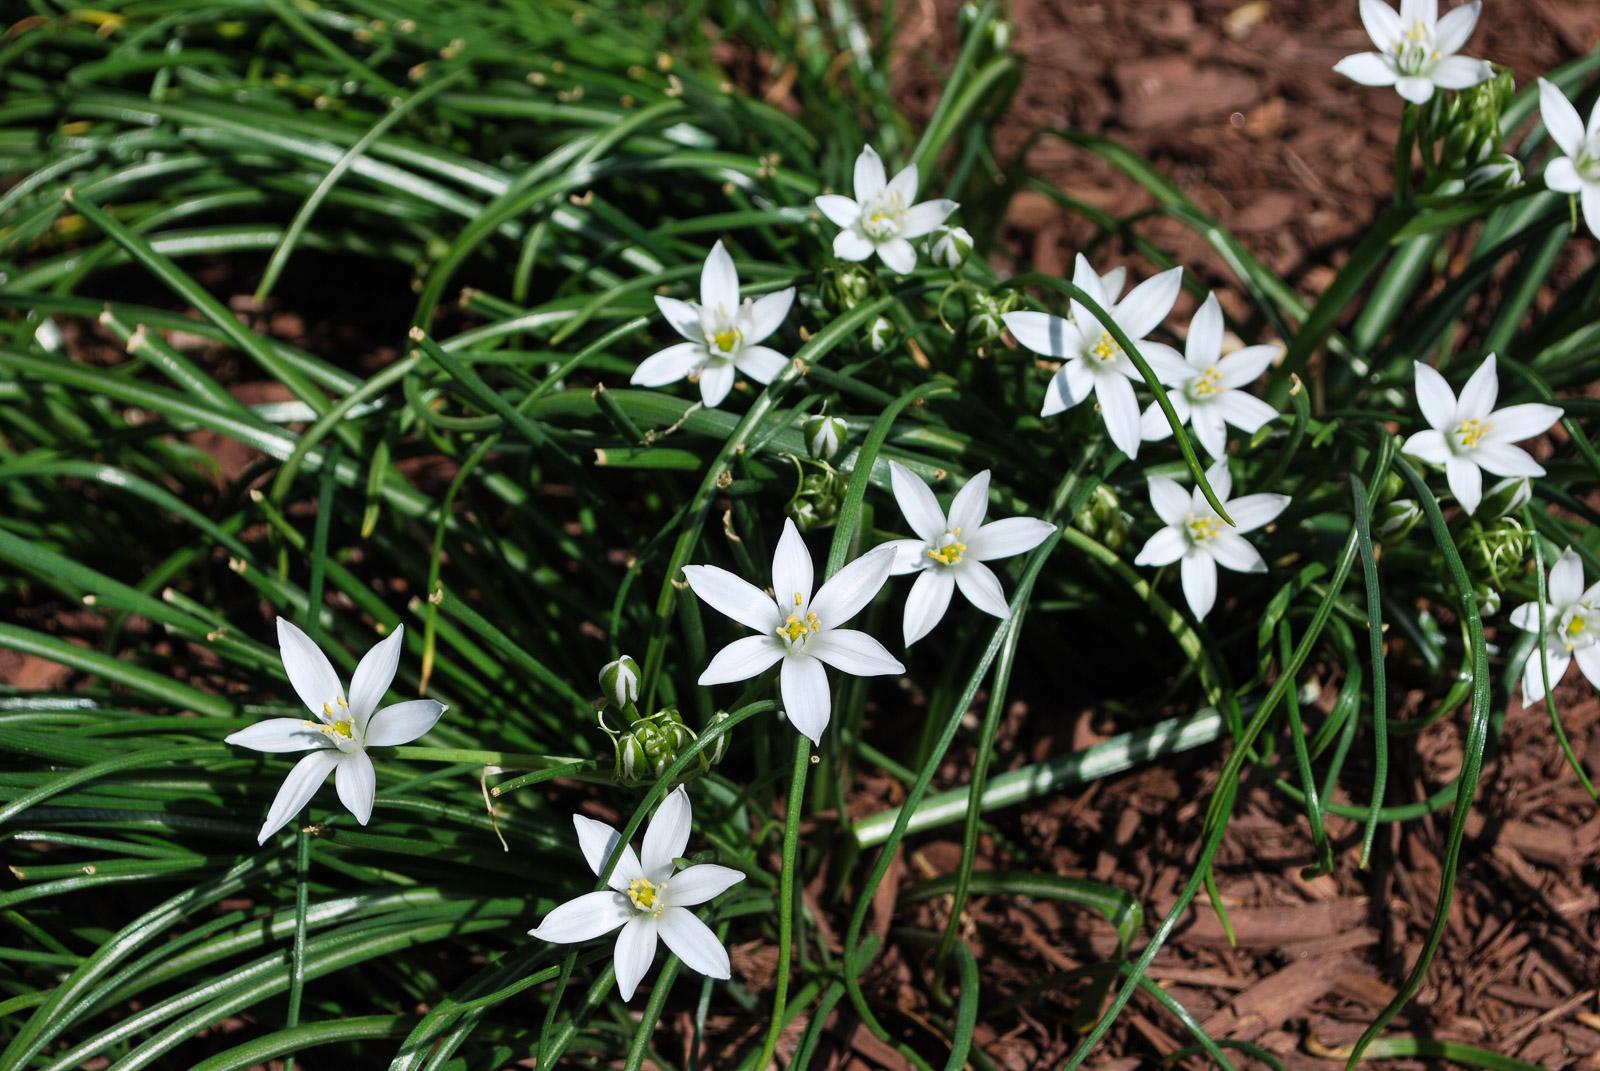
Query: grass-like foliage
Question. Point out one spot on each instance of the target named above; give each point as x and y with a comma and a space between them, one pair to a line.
472, 208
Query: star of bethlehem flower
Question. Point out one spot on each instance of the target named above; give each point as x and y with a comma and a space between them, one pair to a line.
1469, 437
722, 333
1577, 171
1095, 364
881, 218
1571, 628
1200, 539
950, 550
798, 628
1206, 387
1416, 49
343, 727
648, 897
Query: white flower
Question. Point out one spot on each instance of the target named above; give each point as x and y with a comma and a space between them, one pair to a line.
1571, 628
648, 897
343, 729
722, 333
881, 218
798, 629
1203, 540
1416, 49
949, 551
1095, 363
1578, 171
1469, 434
949, 246
1207, 394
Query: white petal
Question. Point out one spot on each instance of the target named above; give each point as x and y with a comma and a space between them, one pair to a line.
1459, 72
309, 671
841, 211
598, 840
1250, 512
852, 587
298, 788
1203, 347
1434, 396
910, 555
917, 504
743, 659
716, 380
926, 604
1429, 446
1566, 579
1220, 477
1562, 176
982, 588
767, 314
1455, 29
693, 942
761, 363
853, 652
1235, 552
1112, 282
719, 282
1382, 23
374, 674
636, 949
1148, 303
584, 918
1478, 396
1588, 660
1058, 395
1526, 616
791, 568
1590, 200
1120, 410
899, 255
903, 187
696, 884
1466, 482
402, 722
683, 317
357, 783
1085, 278
803, 684
1243, 367
1367, 68
668, 365
1533, 673
1515, 423
1210, 429
1417, 90
1199, 583
970, 505
852, 245
869, 178
1560, 119
1163, 548
1244, 411
1153, 423
1423, 11
280, 735
667, 835
733, 597
1002, 539
1167, 363
1040, 332
1171, 501
1502, 459
926, 217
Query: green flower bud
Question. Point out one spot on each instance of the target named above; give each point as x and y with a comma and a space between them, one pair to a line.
879, 334
1396, 519
1488, 600
1499, 172
619, 682
985, 323
817, 497
1496, 551
650, 745
824, 435
719, 746
851, 286
1101, 518
1507, 496
948, 247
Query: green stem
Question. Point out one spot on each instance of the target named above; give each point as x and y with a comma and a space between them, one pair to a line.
786, 895
297, 962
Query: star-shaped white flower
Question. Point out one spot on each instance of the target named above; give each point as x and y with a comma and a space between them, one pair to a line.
1095, 363
1577, 171
343, 728
881, 218
1416, 49
797, 628
1202, 540
648, 897
949, 551
1469, 436
1571, 628
722, 334
1206, 390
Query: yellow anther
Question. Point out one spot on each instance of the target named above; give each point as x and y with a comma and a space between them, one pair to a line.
645, 896
726, 339
1208, 383
1106, 349
327, 708
1204, 529
948, 554
1576, 626
799, 598
1471, 432
793, 628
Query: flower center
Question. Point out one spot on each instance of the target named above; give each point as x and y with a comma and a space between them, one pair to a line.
1414, 52
1105, 350
1587, 161
884, 220
950, 549
1207, 384
728, 339
1573, 629
1203, 529
646, 896
1469, 433
799, 624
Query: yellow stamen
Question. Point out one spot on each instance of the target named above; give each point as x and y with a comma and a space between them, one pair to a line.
338, 728
1208, 383
1204, 529
726, 339
645, 896
1471, 432
1106, 349
948, 554
1576, 626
